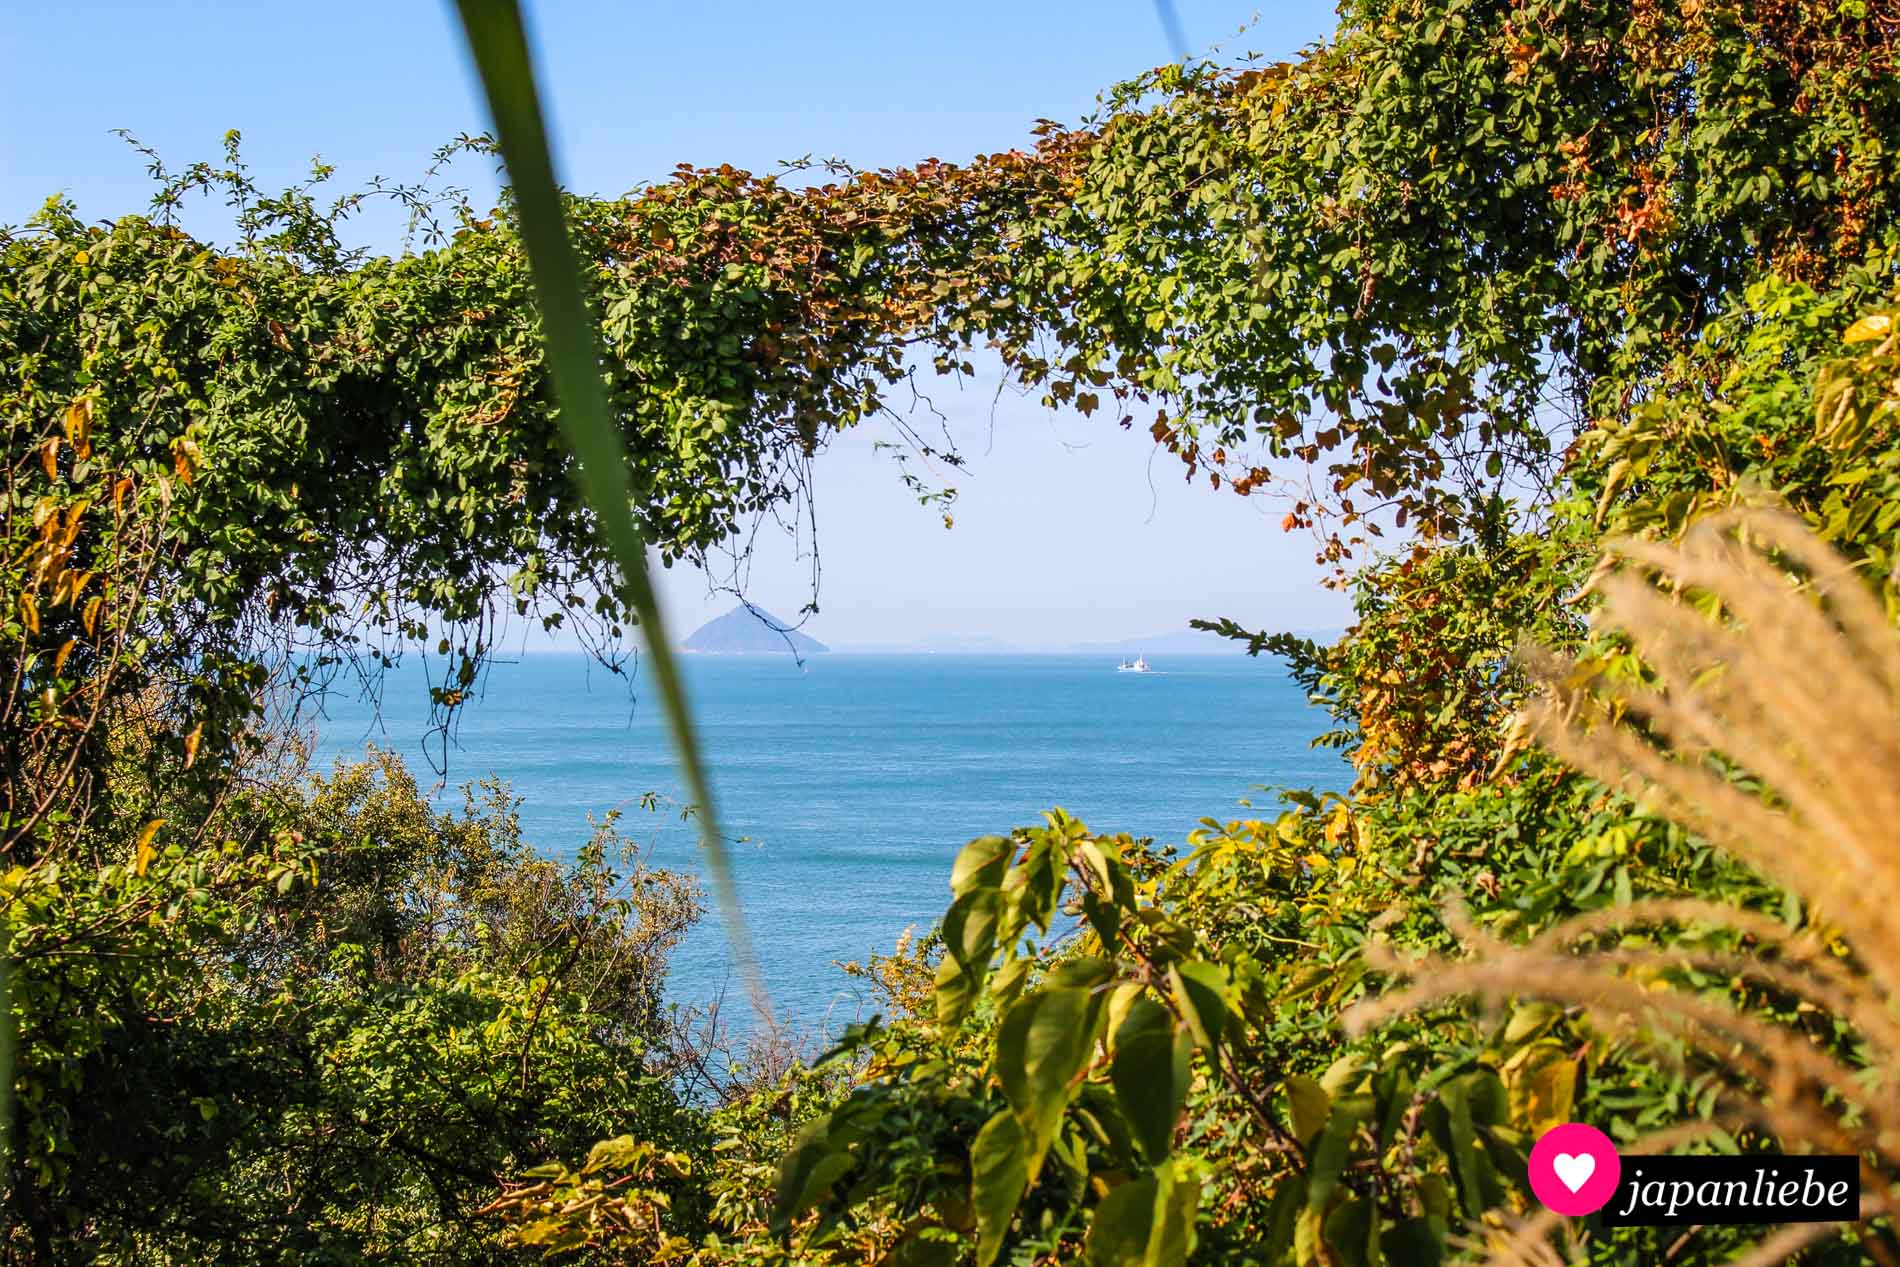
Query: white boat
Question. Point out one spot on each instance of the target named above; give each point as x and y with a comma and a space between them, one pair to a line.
1137, 665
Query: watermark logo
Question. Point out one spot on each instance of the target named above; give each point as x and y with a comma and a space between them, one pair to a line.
1574, 1169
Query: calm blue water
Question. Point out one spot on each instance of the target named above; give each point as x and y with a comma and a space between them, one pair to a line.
856, 780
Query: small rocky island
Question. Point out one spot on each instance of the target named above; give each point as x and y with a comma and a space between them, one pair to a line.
751, 630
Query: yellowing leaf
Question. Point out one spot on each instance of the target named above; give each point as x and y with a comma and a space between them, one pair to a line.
1542, 1081
79, 427
1873, 326
30, 612
186, 458
90, 617
73, 515
143, 851
49, 457
191, 744
66, 649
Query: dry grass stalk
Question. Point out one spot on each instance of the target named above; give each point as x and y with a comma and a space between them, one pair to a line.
1766, 655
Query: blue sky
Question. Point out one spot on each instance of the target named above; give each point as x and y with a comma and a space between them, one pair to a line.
1066, 529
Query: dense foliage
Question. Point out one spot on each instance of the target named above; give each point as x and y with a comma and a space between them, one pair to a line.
333, 1071
1548, 273
1499, 281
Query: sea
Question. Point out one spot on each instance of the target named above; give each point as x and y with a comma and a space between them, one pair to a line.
848, 782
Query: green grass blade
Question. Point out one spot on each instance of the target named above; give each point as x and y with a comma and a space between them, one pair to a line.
498, 41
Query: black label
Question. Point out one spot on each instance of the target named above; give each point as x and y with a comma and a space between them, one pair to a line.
1658, 1191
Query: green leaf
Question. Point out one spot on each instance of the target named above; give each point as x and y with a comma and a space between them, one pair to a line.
1417, 1242
1434, 1197
1081, 972
1102, 917
1200, 991
925, 1246
969, 930
1044, 1042
981, 863
999, 1177
1042, 873
1171, 1241
620, 1153
1307, 1105
1333, 1149
1008, 980
809, 1168
1352, 1232
955, 992
1150, 1075
1463, 1100
1110, 875
1148, 1222
1118, 1235
1289, 1202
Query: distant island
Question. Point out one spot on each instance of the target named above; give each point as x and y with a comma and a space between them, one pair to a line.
751, 630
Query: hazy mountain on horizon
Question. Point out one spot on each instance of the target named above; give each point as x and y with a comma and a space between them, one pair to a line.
1173, 642
945, 644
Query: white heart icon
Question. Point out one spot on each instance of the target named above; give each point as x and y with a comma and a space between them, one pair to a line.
1574, 1169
